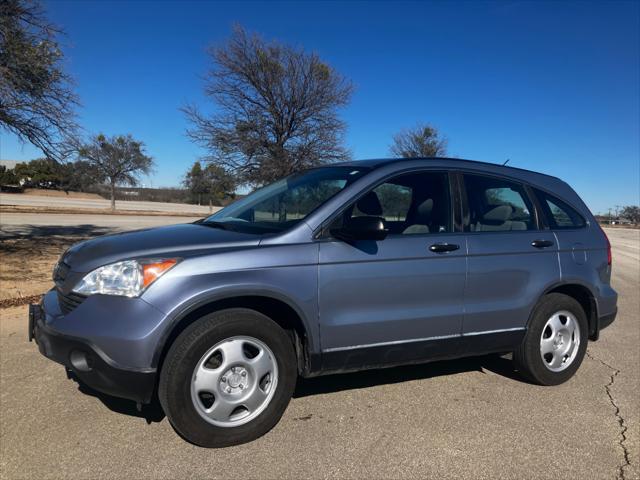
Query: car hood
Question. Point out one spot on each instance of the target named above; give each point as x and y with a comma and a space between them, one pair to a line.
174, 240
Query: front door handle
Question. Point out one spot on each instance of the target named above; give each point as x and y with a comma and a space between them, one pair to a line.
443, 247
541, 243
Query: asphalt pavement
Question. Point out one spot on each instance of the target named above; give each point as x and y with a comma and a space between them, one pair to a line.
471, 418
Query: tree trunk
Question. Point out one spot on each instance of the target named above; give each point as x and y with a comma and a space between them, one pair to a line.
113, 196
210, 205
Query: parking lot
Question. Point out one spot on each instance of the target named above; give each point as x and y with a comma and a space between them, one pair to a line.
471, 418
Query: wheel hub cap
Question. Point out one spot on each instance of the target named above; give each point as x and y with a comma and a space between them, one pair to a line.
560, 341
234, 381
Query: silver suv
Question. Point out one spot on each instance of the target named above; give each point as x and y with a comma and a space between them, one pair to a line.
357, 265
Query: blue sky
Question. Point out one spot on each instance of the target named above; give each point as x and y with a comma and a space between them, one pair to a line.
553, 86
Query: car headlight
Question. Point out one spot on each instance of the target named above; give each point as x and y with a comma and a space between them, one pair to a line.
128, 278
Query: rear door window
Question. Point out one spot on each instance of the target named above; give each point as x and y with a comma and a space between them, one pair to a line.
497, 205
558, 213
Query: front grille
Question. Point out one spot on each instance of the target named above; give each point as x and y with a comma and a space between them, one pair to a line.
69, 301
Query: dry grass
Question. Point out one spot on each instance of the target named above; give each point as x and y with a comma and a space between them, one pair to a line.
57, 193
16, 302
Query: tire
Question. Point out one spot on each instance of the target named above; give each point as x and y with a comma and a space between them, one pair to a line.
549, 354
197, 393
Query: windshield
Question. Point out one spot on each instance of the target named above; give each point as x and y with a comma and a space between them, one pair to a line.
286, 202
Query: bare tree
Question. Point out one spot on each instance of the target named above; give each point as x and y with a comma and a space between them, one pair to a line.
36, 98
276, 109
420, 141
119, 160
631, 213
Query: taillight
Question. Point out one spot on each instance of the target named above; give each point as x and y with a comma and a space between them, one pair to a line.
608, 246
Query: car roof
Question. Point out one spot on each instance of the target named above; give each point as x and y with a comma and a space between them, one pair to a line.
445, 162
550, 184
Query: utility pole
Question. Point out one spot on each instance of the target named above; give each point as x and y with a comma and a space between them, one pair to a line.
609, 215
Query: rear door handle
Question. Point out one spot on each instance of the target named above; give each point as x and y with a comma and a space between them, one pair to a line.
443, 247
541, 243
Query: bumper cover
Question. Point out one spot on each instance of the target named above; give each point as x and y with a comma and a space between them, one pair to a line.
88, 363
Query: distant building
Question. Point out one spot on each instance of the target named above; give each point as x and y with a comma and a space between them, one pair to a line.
10, 164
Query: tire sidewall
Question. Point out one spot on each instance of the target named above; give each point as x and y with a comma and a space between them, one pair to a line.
187, 350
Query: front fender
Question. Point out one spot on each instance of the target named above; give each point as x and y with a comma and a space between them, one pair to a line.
297, 289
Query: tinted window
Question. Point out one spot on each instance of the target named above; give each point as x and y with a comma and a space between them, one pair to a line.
297, 202
410, 204
559, 214
497, 205
395, 201
286, 202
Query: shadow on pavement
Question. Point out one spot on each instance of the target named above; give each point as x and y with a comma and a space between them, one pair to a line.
19, 240
151, 413
31, 232
369, 378
333, 383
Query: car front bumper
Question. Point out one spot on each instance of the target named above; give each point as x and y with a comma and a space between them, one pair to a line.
89, 364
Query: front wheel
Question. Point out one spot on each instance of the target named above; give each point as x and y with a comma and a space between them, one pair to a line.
555, 343
228, 378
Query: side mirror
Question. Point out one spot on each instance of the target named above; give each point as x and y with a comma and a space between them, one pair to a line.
361, 228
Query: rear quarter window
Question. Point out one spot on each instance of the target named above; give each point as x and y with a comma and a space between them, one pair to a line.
497, 204
558, 213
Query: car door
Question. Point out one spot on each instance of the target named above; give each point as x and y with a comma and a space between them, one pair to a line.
581, 253
383, 302
511, 261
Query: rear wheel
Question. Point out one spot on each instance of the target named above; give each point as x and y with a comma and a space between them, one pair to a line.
228, 378
556, 341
